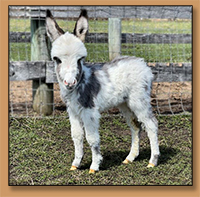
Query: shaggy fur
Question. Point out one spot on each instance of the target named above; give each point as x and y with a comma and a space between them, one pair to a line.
125, 83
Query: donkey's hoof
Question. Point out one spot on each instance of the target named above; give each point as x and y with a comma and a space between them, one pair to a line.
91, 171
73, 168
150, 165
126, 161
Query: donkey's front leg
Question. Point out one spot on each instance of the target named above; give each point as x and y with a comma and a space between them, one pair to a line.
77, 134
91, 124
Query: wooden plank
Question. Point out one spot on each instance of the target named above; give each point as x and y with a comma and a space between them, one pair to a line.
63, 12
163, 72
125, 38
172, 72
22, 71
157, 38
19, 37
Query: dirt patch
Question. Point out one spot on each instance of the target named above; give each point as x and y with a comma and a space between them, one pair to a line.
167, 98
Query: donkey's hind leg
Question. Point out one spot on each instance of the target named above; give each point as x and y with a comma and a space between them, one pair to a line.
135, 132
145, 116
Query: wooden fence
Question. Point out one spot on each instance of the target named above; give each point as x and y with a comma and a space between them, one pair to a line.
102, 12
134, 38
31, 70
42, 72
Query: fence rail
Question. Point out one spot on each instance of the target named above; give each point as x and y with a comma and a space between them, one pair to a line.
29, 70
63, 12
25, 37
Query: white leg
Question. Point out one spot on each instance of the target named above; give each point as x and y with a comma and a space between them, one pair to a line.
91, 124
77, 134
135, 146
142, 110
152, 129
135, 132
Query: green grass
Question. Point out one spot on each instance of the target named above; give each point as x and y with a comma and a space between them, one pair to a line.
156, 26
128, 26
41, 152
150, 52
99, 52
20, 52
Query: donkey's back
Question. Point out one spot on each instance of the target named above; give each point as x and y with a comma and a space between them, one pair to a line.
123, 79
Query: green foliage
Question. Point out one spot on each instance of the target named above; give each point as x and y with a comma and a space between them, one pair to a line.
41, 152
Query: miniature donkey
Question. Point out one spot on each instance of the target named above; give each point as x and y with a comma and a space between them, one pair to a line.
125, 83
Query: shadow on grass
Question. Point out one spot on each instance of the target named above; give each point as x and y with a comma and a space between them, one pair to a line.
166, 154
116, 158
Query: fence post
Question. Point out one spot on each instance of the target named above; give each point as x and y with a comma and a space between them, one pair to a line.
42, 92
114, 37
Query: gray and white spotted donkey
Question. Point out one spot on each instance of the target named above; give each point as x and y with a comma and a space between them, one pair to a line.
125, 83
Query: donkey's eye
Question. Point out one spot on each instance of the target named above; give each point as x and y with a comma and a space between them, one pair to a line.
57, 60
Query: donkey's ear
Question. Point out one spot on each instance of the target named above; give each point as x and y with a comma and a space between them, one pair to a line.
81, 26
52, 28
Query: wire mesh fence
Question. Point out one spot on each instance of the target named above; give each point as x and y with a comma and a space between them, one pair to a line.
162, 35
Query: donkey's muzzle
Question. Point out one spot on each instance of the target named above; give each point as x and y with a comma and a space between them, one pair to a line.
70, 85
